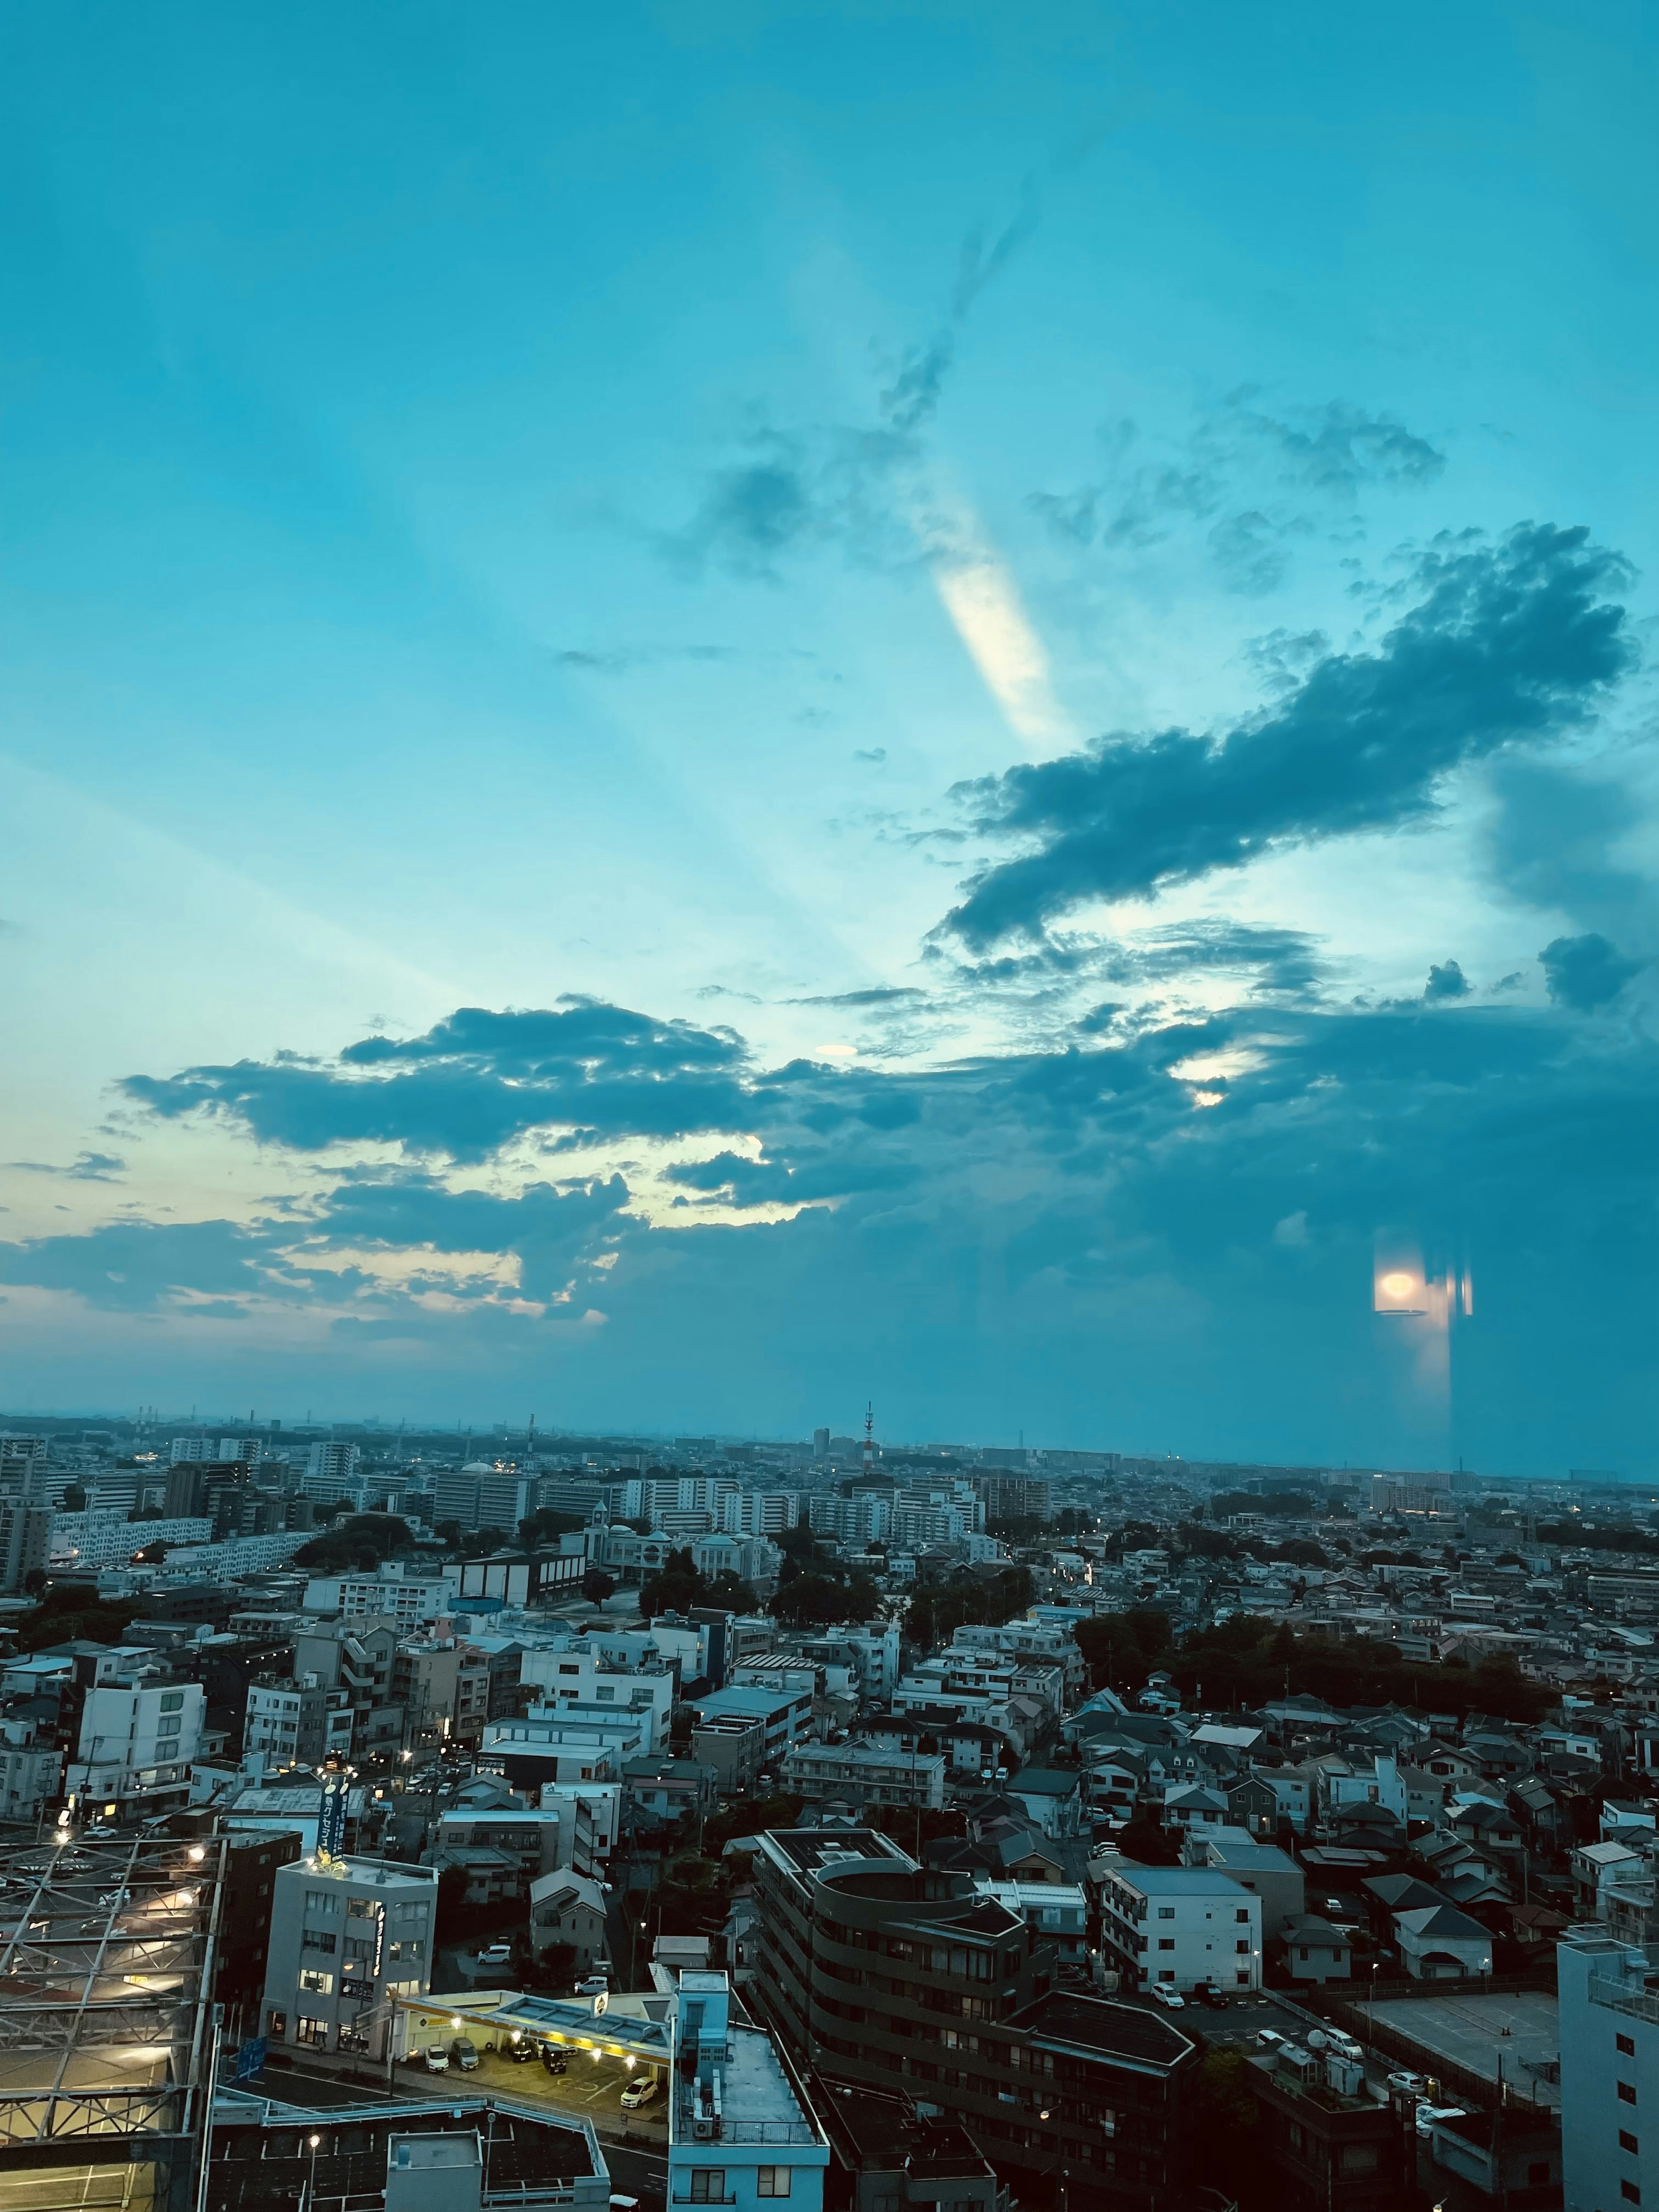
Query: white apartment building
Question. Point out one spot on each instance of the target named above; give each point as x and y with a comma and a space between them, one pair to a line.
579, 1684
863, 1774
136, 1745
347, 1937
28, 1776
228, 1561
104, 1537
867, 1518
408, 1598
1609, 2027
759, 1512
1180, 1926
334, 1462
213, 1451
297, 1723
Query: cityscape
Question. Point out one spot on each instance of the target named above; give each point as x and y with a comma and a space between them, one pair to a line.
830, 1159
856, 1822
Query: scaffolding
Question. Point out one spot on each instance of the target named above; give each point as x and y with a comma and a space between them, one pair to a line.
107, 2049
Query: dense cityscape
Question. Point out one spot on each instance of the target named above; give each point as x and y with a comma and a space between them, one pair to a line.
866, 1824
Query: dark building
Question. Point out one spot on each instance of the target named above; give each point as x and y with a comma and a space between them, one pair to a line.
885, 2158
888, 1976
1329, 2152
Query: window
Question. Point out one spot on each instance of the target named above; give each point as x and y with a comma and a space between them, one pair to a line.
360, 1908
1627, 2092
1627, 2141
1166, 1912
315, 1979
1302, 1952
359, 1947
173, 1701
1243, 1916
276, 2026
771, 2181
1166, 1942
317, 1939
1244, 1946
323, 1901
311, 2031
707, 2185
1359, 2158
1625, 2044
1630, 2192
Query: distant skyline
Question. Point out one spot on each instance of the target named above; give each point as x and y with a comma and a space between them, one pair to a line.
713, 707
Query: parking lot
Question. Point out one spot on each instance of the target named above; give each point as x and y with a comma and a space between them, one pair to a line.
1517, 2031
591, 2089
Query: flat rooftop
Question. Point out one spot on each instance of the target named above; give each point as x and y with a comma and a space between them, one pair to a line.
810, 1850
1112, 2030
1521, 2030
758, 2099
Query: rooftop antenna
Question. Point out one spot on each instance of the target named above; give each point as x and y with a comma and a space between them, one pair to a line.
869, 1439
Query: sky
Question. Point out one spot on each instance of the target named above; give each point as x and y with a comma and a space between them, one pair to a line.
715, 711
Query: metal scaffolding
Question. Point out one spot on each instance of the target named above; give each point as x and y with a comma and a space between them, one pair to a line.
106, 2048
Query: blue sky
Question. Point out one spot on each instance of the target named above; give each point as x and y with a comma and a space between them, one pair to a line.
716, 709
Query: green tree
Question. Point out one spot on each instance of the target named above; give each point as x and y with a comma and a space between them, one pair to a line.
596, 1586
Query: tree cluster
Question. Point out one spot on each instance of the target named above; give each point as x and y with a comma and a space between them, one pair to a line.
939, 1608
678, 1586
357, 1546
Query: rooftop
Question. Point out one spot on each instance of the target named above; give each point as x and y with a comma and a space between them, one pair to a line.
758, 2100
1133, 2033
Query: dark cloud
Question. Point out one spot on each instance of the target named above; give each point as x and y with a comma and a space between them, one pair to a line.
1586, 972
1446, 983
1069, 1229
1285, 960
132, 1266
476, 1081
1517, 641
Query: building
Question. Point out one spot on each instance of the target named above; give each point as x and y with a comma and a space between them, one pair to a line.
759, 1512
740, 2130
297, 1723
25, 1542
858, 1774
783, 1715
1609, 2021
482, 1495
443, 1689
1330, 2145
333, 1463
1181, 1926
348, 1936
568, 1908
23, 1464
572, 1680
1439, 1943
408, 1599
136, 1744
880, 1974
733, 1746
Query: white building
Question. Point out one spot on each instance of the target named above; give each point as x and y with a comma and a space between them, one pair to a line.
102, 1537
759, 1512
297, 1723
1439, 1943
1609, 2029
407, 1597
1182, 1925
862, 1774
577, 1683
333, 1462
740, 2132
137, 1746
347, 1937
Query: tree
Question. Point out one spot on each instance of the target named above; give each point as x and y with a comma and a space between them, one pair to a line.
674, 1587
597, 1585
1122, 1649
554, 1971
361, 1540
1224, 2119
1142, 1838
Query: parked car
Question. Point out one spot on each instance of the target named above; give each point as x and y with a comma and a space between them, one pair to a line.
1345, 2045
1269, 2038
522, 2051
555, 2060
1409, 2085
495, 1955
1171, 1999
464, 2055
638, 2093
437, 2058
1207, 1994
592, 1986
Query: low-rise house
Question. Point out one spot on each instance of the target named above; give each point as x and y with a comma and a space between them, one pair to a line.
567, 1908
1439, 1943
1311, 1949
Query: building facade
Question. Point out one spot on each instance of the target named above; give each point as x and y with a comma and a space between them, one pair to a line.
347, 1937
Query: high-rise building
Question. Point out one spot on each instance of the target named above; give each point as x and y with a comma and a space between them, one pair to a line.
1609, 2071
23, 1463
136, 1745
337, 1462
820, 1443
25, 1541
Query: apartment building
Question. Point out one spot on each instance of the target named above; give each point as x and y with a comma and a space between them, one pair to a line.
1181, 1926
1609, 1995
347, 1937
573, 1681
443, 1688
138, 1742
408, 1598
297, 1723
861, 1774
884, 1976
